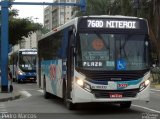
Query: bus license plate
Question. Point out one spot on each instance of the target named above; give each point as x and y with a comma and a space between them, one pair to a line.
116, 95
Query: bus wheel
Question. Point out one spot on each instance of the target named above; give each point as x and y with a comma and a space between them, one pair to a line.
126, 105
67, 102
18, 81
47, 95
70, 105
14, 79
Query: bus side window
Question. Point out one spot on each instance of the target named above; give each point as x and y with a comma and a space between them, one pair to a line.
55, 50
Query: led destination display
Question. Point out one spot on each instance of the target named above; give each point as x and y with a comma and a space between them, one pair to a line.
29, 53
112, 24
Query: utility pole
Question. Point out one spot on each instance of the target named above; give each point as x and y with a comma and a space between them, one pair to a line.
4, 45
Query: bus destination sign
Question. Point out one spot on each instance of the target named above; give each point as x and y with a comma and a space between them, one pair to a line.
29, 53
113, 24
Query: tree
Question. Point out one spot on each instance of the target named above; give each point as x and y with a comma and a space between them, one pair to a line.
96, 7
20, 27
149, 9
155, 26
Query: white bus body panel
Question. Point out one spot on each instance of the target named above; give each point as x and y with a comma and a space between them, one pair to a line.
80, 95
52, 71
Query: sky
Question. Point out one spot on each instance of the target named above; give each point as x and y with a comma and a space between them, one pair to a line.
35, 12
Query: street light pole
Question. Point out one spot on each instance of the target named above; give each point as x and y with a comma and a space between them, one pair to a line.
4, 45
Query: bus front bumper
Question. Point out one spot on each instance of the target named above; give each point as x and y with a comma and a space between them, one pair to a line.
80, 95
26, 77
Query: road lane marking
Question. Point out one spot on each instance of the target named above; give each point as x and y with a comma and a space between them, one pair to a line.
3, 108
2, 112
2, 104
25, 93
155, 90
42, 91
152, 92
146, 108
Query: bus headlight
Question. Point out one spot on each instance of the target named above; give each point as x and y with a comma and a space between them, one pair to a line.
144, 84
83, 84
20, 72
80, 82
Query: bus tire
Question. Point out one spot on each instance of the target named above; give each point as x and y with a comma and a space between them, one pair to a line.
46, 94
70, 105
18, 81
67, 103
14, 79
125, 105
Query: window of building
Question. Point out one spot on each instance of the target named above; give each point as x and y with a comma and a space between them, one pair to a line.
62, 1
62, 13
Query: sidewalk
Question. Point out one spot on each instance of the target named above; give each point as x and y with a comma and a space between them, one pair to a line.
155, 86
10, 96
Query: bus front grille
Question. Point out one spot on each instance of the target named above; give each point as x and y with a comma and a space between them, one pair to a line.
112, 75
106, 94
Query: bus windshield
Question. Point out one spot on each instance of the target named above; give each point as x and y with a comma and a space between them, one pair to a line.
98, 51
27, 62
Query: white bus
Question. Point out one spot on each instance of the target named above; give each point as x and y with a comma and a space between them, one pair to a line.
96, 59
23, 65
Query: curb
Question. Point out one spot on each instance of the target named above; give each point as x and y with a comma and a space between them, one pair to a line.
10, 98
156, 86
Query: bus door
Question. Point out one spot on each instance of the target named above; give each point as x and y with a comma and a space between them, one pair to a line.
70, 63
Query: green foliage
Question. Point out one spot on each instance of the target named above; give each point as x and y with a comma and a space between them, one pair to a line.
148, 9
118, 7
20, 27
97, 7
122, 7
44, 30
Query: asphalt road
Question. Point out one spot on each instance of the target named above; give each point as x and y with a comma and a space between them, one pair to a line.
36, 107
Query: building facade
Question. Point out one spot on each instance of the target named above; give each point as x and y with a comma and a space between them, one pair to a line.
55, 16
27, 43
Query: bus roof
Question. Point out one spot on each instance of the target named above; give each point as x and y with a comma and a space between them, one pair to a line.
75, 20
113, 16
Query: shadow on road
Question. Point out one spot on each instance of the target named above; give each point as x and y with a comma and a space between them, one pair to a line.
97, 108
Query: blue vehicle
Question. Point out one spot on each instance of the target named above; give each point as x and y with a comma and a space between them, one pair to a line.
23, 65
